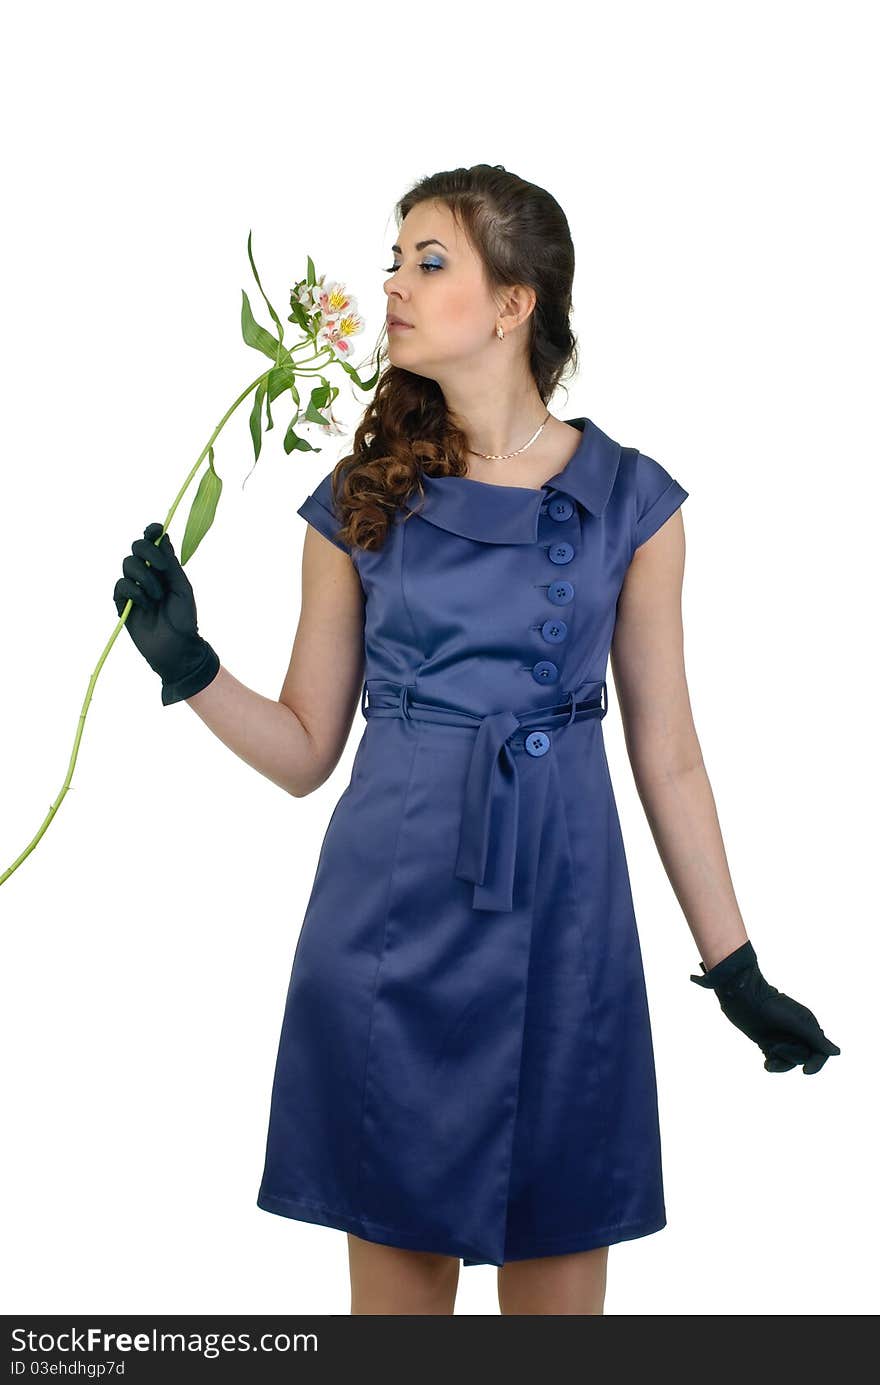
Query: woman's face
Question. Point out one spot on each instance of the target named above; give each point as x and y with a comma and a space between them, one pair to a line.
441, 290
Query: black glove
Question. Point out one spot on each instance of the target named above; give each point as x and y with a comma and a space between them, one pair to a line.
787, 1032
162, 620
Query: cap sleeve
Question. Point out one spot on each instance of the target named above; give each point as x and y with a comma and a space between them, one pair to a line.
658, 495
318, 509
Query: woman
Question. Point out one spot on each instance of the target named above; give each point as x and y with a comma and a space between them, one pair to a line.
465, 1069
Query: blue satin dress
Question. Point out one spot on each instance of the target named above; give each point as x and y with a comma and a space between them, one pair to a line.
465, 1063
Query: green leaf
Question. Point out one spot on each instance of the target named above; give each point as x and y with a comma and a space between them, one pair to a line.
321, 396
279, 380
255, 419
257, 336
364, 384
310, 272
312, 415
294, 443
202, 512
275, 316
299, 315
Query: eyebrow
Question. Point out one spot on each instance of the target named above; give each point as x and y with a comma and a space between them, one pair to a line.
420, 245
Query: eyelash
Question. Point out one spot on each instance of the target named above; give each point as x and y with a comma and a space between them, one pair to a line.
426, 264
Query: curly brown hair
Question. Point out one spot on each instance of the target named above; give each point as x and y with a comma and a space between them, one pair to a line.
522, 236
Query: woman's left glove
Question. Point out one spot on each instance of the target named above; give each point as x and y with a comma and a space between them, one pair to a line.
786, 1032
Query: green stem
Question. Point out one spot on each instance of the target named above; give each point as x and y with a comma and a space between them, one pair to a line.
53, 809
180, 494
316, 356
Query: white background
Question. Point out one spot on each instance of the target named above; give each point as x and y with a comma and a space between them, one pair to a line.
716, 165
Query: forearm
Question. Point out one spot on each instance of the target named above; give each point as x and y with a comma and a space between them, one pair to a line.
681, 812
264, 733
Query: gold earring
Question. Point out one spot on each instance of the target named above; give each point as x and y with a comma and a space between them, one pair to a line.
499, 332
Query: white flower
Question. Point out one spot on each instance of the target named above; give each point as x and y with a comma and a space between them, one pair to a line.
337, 330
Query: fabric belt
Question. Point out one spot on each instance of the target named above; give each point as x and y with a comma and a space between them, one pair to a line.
490, 820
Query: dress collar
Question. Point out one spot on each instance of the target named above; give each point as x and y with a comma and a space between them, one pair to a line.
509, 514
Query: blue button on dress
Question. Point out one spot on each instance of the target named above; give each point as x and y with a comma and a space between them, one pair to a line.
465, 1063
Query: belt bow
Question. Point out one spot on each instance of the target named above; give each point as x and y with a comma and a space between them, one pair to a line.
490, 819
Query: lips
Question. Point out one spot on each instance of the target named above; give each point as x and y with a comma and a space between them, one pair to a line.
397, 322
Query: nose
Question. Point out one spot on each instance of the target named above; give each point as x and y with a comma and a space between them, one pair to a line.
394, 301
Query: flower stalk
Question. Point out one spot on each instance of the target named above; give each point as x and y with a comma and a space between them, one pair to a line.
327, 317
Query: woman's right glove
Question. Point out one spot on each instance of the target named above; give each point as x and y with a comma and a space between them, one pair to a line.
162, 620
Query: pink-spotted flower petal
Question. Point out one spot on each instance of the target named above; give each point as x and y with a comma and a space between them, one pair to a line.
337, 332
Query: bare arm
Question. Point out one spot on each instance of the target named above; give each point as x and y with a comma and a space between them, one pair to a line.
296, 741
647, 655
